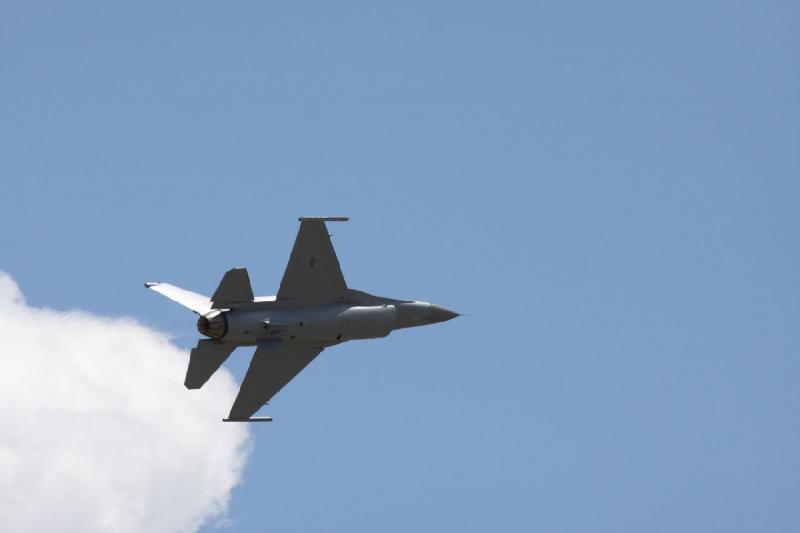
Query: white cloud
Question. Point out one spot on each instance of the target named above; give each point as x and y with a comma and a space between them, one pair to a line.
98, 432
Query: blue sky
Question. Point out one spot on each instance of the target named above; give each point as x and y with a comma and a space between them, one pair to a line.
610, 191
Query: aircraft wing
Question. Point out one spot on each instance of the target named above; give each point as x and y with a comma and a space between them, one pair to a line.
274, 364
313, 268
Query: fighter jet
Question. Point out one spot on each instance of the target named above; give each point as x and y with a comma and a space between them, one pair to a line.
314, 309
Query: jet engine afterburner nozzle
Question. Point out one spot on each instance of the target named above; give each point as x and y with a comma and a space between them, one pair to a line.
214, 326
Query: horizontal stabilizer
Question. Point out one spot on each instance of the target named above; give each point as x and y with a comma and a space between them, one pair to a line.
196, 302
234, 288
251, 419
204, 360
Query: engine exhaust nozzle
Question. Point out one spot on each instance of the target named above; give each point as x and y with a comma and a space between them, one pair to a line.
214, 327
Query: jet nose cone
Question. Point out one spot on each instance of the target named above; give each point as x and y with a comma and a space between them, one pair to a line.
440, 314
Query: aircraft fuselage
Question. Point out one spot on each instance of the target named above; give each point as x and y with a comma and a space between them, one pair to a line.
325, 324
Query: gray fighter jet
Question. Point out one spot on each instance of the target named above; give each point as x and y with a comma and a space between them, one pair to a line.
313, 309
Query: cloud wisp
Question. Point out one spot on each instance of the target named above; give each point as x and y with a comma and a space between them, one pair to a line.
98, 432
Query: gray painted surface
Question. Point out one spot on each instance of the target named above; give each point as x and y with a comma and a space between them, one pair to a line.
204, 360
273, 365
313, 268
234, 288
313, 309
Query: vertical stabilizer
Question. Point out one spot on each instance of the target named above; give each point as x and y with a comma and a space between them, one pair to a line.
234, 288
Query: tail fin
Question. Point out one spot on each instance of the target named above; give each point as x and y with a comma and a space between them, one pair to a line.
234, 288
